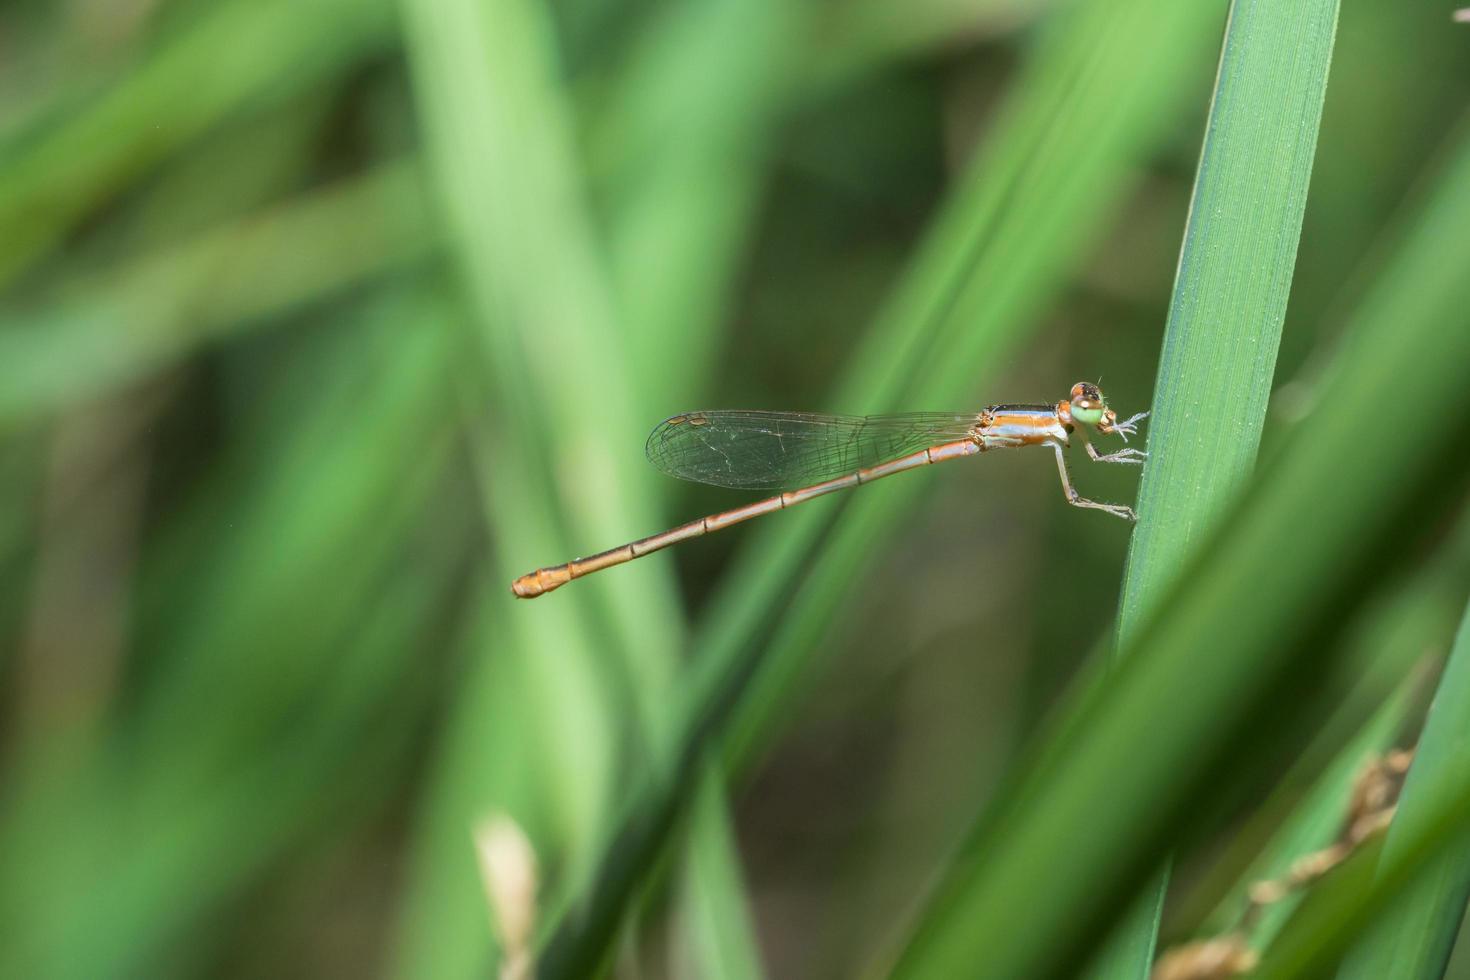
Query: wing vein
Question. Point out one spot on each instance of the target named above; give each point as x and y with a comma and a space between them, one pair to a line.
785, 450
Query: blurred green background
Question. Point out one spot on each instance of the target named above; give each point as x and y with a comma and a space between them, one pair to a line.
320, 321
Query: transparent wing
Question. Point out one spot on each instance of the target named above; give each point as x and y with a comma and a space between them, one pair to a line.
784, 450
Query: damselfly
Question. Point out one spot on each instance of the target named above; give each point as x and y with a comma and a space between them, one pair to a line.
822, 453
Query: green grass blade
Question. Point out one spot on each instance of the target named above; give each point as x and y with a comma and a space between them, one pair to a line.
526, 736
241, 53
121, 830
1087, 110
508, 189
684, 151
1091, 815
109, 332
1085, 113
1347, 904
553, 358
1225, 318
1413, 939
1368, 716
266, 470
270, 538
1397, 645
1402, 919
1234, 279
720, 935
866, 36
1316, 821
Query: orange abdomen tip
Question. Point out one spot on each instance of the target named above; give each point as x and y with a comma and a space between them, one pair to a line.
540, 582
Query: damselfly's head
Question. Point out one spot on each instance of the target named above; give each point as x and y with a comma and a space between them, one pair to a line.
1088, 407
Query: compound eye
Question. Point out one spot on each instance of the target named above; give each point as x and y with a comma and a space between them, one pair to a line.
1087, 403
1086, 395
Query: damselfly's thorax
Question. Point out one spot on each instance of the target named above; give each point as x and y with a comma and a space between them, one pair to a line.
1004, 426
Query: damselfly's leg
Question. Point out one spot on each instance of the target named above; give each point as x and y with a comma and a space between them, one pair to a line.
1077, 500
1121, 456
1128, 427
